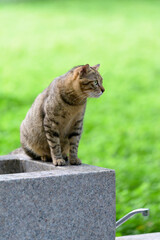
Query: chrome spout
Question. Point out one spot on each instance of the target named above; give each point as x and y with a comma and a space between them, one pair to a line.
144, 211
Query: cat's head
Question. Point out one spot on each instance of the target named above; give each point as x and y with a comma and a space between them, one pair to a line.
90, 81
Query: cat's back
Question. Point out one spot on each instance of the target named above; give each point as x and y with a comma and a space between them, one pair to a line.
35, 112
35, 115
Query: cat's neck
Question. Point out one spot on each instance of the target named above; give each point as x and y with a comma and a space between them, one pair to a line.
70, 95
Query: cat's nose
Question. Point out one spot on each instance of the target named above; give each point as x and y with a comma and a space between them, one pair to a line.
102, 89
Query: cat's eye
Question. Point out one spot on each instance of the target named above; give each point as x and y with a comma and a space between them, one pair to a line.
96, 82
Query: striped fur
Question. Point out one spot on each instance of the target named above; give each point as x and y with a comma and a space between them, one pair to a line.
53, 125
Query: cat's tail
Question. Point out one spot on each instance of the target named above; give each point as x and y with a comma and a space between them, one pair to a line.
25, 152
18, 151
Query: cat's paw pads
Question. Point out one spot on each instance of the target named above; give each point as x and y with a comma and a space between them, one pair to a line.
59, 162
75, 161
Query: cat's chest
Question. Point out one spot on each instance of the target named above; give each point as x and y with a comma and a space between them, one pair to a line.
66, 117
66, 124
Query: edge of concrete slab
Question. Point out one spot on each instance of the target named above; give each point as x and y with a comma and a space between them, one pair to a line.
147, 236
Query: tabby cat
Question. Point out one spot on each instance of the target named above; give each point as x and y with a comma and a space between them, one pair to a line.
52, 127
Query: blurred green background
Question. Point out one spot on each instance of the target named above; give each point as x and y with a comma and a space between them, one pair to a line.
42, 40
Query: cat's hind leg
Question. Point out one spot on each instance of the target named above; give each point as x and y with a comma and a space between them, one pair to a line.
30, 153
44, 158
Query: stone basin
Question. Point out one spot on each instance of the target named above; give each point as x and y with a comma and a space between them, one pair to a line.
39, 201
13, 165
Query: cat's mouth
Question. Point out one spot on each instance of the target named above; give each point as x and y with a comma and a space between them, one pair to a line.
95, 95
99, 94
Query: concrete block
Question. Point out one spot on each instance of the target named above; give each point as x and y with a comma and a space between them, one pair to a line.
39, 201
148, 236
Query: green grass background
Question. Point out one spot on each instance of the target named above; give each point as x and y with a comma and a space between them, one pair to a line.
42, 40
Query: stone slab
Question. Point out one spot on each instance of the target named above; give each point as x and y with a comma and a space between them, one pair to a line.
65, 203
149, 236
12, 165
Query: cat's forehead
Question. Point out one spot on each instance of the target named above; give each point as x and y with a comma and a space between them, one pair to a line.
94, 73
91, 73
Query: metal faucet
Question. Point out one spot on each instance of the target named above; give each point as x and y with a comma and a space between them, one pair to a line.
144, 211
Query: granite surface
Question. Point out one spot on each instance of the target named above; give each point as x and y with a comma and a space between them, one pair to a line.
65, 203
149, 236
13, 165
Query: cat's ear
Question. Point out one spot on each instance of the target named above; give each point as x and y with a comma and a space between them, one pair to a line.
96, 67
84, 70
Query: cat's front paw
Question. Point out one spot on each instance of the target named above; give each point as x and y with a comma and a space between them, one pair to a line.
75, 161
59, 162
